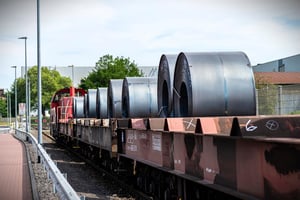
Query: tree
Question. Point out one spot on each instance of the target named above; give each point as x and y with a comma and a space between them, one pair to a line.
266, 96
51, 82
109, 68
20, 94
3, 107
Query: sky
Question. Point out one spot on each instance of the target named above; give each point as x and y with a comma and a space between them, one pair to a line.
79, 32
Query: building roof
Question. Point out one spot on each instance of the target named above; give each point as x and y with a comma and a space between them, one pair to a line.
279, 78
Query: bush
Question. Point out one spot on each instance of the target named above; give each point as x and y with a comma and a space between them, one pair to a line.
296, 112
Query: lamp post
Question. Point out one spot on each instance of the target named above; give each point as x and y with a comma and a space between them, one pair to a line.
40, 139
16, 99
26, 86
7, 111
72, 74
9, 105
29, 118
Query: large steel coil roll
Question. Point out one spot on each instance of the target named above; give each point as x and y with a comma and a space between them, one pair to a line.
78, 107
139, 97
213, 84
114, 96
102, 103
91, 103
165, 85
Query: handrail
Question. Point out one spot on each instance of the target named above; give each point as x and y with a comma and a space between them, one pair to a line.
61, 186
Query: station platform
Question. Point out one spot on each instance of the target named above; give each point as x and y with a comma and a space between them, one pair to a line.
15, 181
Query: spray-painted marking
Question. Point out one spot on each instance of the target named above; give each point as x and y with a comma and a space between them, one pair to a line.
272, 125
189, 124
251, 127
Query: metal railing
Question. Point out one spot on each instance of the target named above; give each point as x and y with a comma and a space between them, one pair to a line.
60, 184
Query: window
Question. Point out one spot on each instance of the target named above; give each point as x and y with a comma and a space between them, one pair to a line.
281, 66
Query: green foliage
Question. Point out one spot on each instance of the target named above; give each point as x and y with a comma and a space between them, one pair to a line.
3, 104
51, 82
109, 68
296, 112
266, 95
3, 107
267, 98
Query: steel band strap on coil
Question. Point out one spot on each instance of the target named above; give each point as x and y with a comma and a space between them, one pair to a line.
101, 103
213, 84
85, 105
92, 103
78, 107
165, 85
139, 97
114, 96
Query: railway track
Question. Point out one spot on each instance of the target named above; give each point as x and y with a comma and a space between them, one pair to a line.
88, 179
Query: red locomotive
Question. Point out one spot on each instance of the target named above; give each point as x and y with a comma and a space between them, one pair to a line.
62, 107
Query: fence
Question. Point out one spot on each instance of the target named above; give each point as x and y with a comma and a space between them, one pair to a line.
278, 100
21, 122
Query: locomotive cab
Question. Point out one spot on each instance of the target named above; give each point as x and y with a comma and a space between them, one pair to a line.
62, 107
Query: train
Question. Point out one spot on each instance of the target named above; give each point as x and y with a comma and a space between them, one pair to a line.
190, 133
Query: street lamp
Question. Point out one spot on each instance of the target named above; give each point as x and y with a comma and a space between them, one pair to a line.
7, 103
72, 74
16, 99
40, 139
26, 86
7, 108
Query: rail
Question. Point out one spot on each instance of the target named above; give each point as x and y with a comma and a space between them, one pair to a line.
61, 185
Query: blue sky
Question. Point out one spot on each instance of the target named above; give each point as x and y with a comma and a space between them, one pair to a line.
77, 32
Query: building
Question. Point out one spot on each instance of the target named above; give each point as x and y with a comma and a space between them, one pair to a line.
278, 93
79, 72
278, 84
1, 93
288, 64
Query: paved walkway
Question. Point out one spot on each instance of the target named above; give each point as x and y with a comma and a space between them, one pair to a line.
14, 173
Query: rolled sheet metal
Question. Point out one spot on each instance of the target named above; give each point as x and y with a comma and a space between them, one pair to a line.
78, 107
213, 84
102, 103
114, 97
139, 97
92, 103
165, 85
74, 107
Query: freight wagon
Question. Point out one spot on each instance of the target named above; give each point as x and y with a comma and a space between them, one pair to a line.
190, 133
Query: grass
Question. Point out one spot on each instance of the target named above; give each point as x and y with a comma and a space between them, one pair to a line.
296, 112
4, 123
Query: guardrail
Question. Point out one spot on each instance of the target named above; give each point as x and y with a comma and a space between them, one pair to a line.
61, 185
4, 129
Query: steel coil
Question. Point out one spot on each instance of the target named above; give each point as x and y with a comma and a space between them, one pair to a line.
78, 107
102, 103
139, 97
114, 96
213, 84
92, 103
74, 107
165, 85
